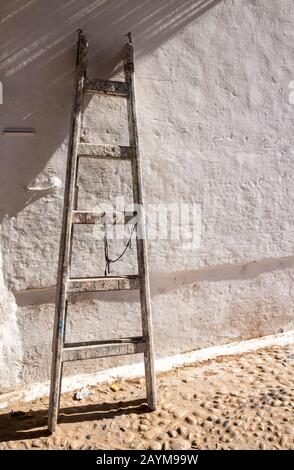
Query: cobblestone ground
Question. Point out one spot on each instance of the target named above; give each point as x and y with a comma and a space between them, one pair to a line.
236, 402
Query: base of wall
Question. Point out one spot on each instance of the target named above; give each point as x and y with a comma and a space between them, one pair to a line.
75, 382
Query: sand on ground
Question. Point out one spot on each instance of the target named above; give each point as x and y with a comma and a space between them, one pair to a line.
233, 402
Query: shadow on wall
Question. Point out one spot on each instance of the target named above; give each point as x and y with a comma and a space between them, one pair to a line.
37, 56
163, 283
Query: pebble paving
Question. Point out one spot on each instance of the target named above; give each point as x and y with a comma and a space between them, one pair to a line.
233, 402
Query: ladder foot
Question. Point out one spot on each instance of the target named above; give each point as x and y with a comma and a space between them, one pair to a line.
152, 405
52, 424
51, 429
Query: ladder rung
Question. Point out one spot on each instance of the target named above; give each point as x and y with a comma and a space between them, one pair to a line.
108, 87
91, 217
131, 339
97, 284
105, 151
80, 351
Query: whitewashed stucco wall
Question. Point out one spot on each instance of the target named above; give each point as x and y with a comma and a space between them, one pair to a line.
216, 129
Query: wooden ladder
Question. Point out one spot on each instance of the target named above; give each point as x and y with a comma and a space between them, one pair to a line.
63, 351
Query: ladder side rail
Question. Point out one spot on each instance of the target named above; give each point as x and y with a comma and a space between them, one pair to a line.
66, 234
141, 239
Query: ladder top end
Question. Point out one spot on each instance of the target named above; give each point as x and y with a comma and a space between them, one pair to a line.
81, 34
129, 35
82, 39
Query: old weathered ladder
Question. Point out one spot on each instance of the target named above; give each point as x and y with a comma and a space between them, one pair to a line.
63, 351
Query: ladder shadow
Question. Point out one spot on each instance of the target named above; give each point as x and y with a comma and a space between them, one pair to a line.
34, 425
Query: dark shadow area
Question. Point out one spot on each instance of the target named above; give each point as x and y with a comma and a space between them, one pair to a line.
37, 57
167, 282
34, 424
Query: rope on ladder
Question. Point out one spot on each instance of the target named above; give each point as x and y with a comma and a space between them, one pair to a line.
108, 260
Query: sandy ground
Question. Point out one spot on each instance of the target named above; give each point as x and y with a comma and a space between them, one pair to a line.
236, 402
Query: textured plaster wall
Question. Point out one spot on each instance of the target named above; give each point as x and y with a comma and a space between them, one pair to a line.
216, 129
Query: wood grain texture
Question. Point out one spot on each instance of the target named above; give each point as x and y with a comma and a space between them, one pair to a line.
102, 350
105, 151
107, 87
91, 217
97, 284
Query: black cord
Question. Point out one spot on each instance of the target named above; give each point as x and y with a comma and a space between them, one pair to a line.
108, 260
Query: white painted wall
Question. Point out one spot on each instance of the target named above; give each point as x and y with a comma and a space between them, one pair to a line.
216, 129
